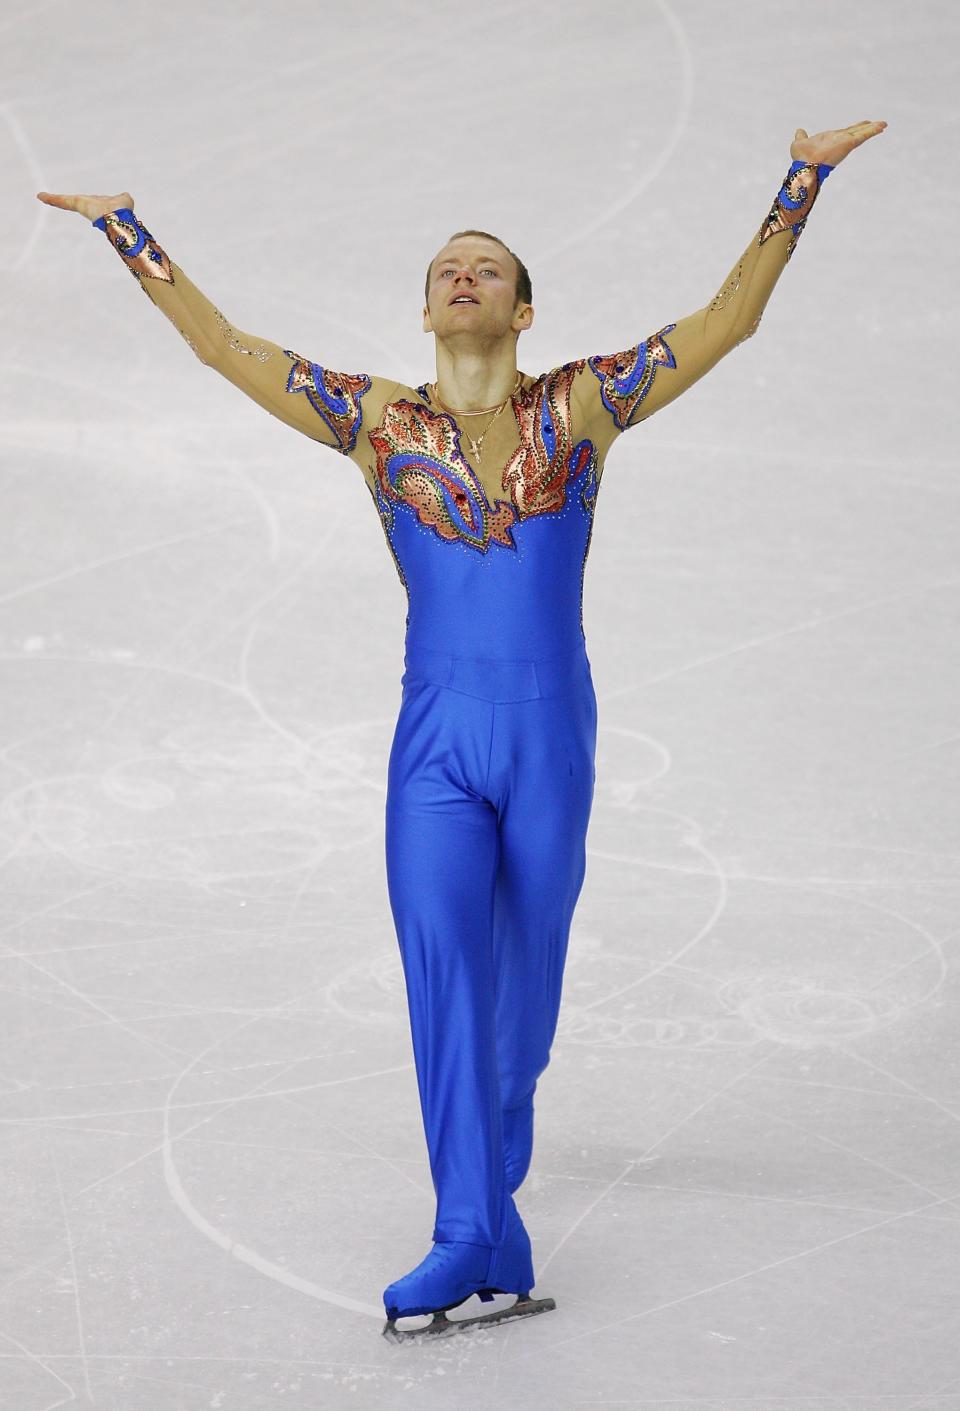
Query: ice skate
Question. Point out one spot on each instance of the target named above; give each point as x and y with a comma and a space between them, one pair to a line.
461, 1285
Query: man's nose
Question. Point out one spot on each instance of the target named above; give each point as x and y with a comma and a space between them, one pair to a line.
461, 272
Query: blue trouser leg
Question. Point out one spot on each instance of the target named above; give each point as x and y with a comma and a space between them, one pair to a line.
545, 791
487, 809
442, 848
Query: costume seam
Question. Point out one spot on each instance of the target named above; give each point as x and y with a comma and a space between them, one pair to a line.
493, 724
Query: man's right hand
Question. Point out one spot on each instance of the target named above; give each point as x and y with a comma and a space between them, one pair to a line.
91, 207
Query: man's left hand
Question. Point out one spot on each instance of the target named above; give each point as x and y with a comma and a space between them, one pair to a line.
831, 147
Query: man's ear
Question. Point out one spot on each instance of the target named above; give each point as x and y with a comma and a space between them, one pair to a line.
427, 326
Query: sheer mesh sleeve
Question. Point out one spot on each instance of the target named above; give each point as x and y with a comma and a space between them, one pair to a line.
315, 400
618, 390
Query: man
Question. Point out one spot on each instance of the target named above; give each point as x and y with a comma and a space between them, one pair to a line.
488, 513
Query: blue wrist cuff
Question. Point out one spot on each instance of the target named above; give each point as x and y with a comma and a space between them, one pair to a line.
823, 171
101, 221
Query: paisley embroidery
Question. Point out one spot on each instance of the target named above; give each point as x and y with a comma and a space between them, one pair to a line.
335, 396
799, 191
537, 473
626, 378
420, 462
131, 239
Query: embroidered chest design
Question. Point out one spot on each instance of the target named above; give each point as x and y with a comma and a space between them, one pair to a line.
420, 463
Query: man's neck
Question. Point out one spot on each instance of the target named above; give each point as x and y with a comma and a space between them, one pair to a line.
471, 379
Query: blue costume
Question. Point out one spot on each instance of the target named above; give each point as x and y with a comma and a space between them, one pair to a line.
491, 770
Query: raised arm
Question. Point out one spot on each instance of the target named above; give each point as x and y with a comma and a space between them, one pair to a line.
319, 402
619, 390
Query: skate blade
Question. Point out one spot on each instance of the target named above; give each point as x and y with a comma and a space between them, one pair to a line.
487, 1306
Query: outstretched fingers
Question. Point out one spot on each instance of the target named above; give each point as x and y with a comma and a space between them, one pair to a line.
860, 131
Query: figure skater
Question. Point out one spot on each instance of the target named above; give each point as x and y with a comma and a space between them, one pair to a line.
485, 482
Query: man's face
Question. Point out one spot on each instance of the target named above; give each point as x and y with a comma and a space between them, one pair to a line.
472, 292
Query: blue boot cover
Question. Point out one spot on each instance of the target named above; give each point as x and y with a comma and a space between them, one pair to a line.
453, 1270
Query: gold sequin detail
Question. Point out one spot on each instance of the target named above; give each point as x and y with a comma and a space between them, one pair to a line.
803, 187
626, 378
724, 296
185, 336
151, 261
230, 336
420, 462
536, 476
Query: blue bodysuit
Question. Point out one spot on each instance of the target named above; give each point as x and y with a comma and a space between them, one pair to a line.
491, 771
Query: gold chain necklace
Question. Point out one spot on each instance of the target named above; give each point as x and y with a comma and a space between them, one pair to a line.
475, 445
